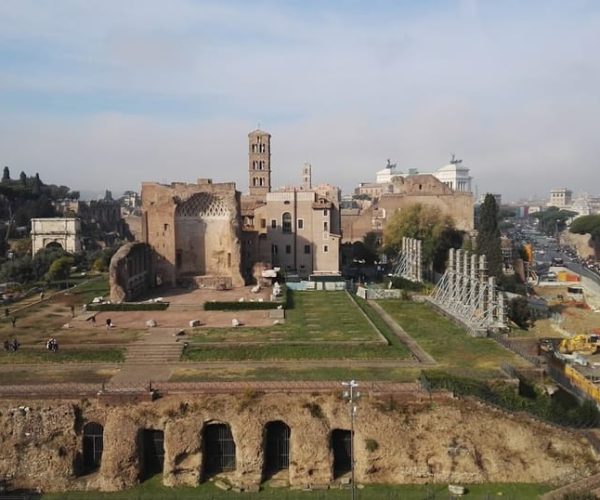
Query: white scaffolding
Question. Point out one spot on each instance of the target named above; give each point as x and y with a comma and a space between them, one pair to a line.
409, 264
467, 293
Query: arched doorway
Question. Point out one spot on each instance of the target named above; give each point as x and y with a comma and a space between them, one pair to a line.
93, 445
153, 452
218, 449
54, 245
277, 448
341, 445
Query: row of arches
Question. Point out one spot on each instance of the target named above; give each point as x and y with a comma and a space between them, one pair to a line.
218, 449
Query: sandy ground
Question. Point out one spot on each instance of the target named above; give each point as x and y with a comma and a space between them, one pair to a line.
180, 319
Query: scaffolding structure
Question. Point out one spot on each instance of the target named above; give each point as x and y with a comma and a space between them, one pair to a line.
467, 293
409, 264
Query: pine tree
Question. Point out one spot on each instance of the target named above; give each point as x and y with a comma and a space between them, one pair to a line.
488, 237
6, 175
23, 178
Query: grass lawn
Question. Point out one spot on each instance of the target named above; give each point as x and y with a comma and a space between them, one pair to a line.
153, 490
283, 352
314, 317
303, 374
53, 375
25, 355
451, 346
310, 316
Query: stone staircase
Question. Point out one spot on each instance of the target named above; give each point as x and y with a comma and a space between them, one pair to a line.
149, 358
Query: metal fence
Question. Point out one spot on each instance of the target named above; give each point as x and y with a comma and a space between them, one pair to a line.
70, 390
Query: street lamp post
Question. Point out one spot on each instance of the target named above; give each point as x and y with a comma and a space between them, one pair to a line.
351, 395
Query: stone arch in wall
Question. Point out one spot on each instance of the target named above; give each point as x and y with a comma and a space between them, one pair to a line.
341, 448
93, 446
54, 244
152, 452
276, 447
218, 449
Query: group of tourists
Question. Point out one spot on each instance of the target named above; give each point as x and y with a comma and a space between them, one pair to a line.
11, 345
52, 345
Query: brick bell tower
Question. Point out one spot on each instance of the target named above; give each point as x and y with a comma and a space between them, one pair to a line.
259, 163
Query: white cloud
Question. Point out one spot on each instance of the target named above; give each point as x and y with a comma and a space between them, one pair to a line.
510, 87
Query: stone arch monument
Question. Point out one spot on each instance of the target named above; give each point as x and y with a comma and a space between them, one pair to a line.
53, 231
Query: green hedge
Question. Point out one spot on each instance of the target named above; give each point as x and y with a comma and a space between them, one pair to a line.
129, 306
248, 306
240, 306
538, 404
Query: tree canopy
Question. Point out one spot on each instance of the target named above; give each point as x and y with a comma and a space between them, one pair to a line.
553, 220
488, 236
587, 224
427, 224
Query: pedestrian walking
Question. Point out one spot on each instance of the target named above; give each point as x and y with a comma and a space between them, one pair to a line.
13, 320
72, 311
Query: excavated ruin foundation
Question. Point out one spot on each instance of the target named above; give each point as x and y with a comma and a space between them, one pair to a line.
89, 444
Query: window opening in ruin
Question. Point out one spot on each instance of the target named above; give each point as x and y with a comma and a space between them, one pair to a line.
274, 249
153, 452
288, 249
286, 222
277, 448
340, 445
263, 223
300, 223
325, 213
306, 248
325, 226
218, 449
165, 227
273, 223
93, 444
228, 259
325, 248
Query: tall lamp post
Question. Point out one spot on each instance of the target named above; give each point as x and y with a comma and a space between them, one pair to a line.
351, 395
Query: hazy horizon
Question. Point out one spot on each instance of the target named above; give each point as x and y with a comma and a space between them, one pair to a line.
105, 95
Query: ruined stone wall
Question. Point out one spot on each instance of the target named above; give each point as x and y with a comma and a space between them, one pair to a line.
194, 229
131, 272
423, 189
396, 441
583, 243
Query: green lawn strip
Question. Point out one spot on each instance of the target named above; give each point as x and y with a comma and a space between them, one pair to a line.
24, 355
449, 344
312, 315
94, 287
382, 325
280, 374
154, 490
312, 351
54, 376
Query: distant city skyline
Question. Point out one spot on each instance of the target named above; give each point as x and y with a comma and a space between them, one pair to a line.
105, 95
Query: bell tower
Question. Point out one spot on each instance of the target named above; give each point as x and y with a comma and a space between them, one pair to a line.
259, 163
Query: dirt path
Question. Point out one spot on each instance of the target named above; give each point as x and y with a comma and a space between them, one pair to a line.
417, 351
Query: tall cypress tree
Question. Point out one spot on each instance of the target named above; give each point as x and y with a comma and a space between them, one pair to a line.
6, 175
488, 237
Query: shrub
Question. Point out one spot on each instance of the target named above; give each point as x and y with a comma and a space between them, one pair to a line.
247, 306
239, 306
503, 395
371, 445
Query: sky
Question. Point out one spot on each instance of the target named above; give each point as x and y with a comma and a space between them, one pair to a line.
107, 94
